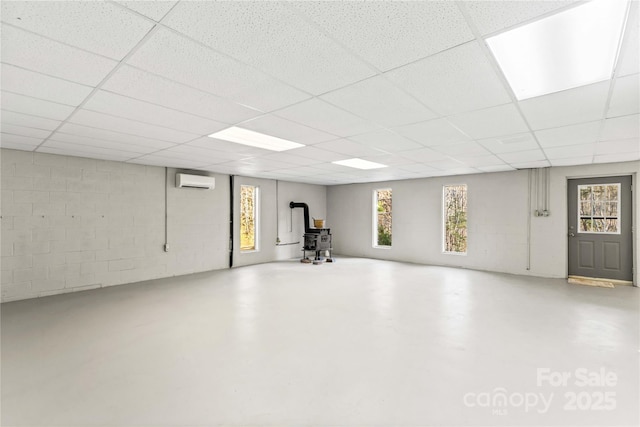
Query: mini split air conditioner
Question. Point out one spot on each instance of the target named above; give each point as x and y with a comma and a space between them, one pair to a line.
184, 180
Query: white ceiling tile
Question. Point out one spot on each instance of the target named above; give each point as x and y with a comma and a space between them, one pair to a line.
118, 124
35, 107
418, 168
25, 120
16, 145
379, 100
480, 161
158, 90
495, 121
299, 171
569, 135
25, 131
456, 171
572, 161
390, 34
277, 126
37, 85
630, 145
265, 163
630, 52
122, 106
446, 164
615, 158
497, 168
457, 80
156, 160
316, 153
7, 140
293, 51
523, 156
432, 133
83, 150
582, 104
424, 155
626, 96
184, 61
209, 155
46, 56
194, 154
76, 133
491, 16
238, 151
99, 27
348, 148
621, 128
155, 10
570, 151
133, 149
386, 140
532, 165
462, 148
394, 160
321, 115
510, 143
292, 159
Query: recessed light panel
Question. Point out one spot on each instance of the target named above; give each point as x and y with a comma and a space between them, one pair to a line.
359, 164
570, 49
255, 139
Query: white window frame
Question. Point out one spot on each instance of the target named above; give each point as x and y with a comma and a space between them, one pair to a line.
256, 220
443, 210
374, 235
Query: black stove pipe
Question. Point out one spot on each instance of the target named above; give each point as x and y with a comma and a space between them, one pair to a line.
306, 214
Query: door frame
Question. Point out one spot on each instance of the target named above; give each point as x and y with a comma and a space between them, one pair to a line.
634, 218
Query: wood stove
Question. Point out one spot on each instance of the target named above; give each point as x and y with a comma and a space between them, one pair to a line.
317, 240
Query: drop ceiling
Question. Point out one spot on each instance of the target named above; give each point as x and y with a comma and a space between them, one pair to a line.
411, 85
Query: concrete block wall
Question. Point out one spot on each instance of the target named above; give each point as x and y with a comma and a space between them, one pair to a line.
71, 223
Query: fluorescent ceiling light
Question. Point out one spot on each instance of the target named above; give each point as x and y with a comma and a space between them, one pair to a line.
359, 164
255, 139
570, 49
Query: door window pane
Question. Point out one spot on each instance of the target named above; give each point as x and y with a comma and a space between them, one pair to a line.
598, 207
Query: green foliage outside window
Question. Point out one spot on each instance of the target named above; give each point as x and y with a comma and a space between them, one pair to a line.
383, 202
455, 218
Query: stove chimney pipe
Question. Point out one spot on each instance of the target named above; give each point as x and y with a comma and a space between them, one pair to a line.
306, 214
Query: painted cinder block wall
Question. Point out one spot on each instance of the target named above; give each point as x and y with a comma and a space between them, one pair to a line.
71, 223
498, 213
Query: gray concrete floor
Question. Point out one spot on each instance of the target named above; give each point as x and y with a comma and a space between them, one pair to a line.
358, 342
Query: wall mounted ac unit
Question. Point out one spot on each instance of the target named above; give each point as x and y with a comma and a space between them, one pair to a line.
195, 181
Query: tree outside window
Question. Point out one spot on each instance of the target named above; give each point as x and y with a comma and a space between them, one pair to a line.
383, 217
455, 218
248, 203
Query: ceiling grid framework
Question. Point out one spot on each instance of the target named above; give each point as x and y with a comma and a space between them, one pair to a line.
410, 85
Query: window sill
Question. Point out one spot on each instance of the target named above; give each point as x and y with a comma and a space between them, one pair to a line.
454, 253
381, 247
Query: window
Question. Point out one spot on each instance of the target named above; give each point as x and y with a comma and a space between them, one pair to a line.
248, 217
455, 218
382, 217
598, 208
